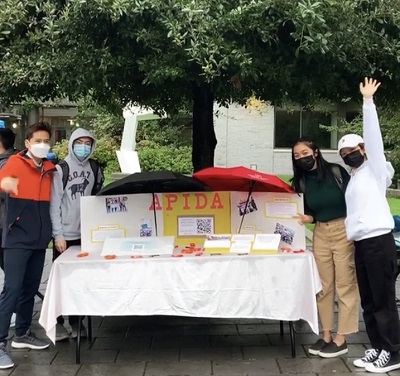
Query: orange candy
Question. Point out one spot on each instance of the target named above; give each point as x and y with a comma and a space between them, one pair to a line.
82, 254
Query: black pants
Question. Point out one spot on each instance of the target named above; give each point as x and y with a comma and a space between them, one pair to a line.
1, 251
73, 320
376, 267
22, 275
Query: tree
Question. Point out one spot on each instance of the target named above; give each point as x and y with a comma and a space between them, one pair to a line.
102, 122
167, 53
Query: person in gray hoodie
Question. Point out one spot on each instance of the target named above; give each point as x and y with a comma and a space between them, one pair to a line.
78, 175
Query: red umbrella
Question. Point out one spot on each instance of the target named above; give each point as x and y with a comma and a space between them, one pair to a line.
241, 178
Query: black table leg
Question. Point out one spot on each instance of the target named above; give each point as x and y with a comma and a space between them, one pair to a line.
89, 323
292, 339
40, 295
281, 328
78, 342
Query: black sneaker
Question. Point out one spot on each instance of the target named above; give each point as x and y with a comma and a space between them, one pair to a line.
386, 362
332, 350
369, 357
318, 346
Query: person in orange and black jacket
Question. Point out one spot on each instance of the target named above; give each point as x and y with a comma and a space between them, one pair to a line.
26, 178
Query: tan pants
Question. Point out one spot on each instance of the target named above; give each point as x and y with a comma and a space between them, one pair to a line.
334, 256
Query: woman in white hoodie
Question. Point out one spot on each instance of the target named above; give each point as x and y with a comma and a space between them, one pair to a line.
369, 224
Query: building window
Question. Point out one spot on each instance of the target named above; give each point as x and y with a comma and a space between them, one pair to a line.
59, 135
58, 122
291, 125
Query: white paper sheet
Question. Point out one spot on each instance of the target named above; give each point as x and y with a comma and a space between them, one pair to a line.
144, 246
266, 242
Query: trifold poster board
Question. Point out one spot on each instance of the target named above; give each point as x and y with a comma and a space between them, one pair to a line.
118, 217
269, 213
190, 217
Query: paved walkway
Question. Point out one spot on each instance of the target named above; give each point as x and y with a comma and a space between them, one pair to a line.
174, 346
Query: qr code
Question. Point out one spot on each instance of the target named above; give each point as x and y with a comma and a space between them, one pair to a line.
204, 226
138, 247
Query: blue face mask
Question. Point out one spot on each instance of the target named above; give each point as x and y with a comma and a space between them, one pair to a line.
82, 151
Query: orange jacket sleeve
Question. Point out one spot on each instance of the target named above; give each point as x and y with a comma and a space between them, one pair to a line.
10, 168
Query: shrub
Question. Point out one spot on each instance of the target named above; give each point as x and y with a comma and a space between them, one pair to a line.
162, 157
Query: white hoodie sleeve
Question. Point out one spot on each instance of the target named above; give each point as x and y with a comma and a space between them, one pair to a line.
57, 192
374, 145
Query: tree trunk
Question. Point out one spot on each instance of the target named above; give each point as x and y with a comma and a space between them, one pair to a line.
203, 136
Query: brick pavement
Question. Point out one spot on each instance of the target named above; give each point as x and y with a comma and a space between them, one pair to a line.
179, 346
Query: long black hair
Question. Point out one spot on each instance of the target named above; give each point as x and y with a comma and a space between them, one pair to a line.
324, 169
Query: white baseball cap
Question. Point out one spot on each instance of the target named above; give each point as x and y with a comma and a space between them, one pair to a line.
350, 141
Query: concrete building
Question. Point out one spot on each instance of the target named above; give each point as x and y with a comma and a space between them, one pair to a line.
58, 114
261, 136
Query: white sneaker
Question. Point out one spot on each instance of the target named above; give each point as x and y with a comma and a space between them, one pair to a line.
386, 362
61, 333
370, 356
13, 318
5, 360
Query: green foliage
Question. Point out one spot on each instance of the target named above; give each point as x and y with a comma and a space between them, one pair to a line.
105, 153
61, 149
161, 132
99, 119
177, 159
157, 52
161, 145
152, 51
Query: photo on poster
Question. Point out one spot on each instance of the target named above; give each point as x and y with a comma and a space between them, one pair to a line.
251, 206
287, 234
116, 204
146, 227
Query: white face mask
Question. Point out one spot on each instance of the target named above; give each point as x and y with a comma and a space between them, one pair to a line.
39, 150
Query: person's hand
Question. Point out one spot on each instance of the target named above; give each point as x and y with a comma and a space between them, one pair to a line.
304, 218
61, 245
9, 185
369, 87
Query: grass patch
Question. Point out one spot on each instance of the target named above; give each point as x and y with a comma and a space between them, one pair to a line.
285, 178
394, 204
107, 180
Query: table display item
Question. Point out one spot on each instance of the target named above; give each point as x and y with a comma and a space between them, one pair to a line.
266, 243
139, 246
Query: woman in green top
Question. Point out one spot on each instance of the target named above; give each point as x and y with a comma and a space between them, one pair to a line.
323, 185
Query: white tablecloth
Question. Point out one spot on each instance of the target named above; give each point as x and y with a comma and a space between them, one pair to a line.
279, 287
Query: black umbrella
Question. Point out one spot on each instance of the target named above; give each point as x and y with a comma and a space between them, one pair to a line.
153, 182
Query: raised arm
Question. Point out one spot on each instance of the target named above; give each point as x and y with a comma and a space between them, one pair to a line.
371, 130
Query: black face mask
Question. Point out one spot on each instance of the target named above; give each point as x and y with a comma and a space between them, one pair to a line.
354, 159
305, 163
